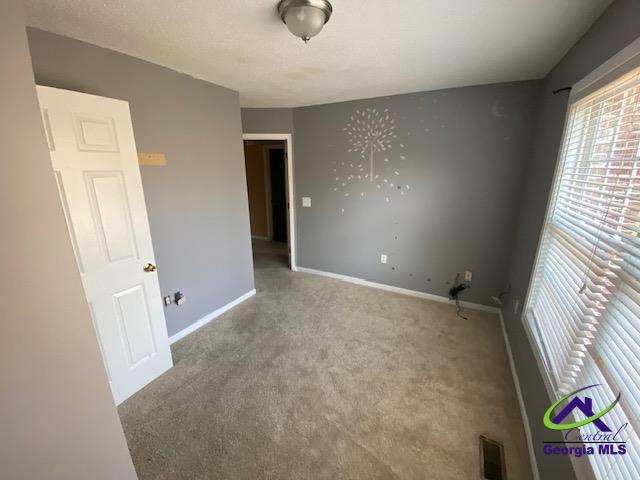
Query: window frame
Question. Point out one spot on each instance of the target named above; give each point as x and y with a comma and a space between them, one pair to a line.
615, 67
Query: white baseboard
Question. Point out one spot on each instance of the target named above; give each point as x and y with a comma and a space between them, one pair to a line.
260, 237
207, 318
403, 291
523, 412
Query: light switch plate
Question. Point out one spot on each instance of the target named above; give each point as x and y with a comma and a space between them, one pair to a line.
383, 258
468, 276
306, 201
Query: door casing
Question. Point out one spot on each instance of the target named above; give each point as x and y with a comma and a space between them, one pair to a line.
291, 215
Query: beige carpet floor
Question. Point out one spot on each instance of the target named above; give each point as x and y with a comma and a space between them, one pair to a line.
314, 378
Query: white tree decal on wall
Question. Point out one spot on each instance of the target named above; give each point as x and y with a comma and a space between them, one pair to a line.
370, 132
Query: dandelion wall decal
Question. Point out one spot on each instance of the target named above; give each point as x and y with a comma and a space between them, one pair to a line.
370, 131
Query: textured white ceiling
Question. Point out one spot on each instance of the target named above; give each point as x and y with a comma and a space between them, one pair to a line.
369, 48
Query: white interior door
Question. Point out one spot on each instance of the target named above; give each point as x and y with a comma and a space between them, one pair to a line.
95, 163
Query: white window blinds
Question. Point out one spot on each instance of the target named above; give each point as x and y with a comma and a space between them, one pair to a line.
584, 301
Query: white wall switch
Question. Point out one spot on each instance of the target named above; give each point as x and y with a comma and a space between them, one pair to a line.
516, 306
168, 300
306, 201
468, 276
383, 258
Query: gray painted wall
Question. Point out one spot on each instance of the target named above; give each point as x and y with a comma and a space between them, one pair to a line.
197, 204
616, 28
459, 157
267, 120
57, 417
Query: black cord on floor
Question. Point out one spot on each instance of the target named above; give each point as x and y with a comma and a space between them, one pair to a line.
455, 291
459, 310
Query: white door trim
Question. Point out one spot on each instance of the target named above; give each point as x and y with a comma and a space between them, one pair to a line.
291, 216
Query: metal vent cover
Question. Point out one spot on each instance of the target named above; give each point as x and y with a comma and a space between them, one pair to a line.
492, 466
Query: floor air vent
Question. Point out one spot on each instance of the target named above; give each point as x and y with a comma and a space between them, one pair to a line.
491, 460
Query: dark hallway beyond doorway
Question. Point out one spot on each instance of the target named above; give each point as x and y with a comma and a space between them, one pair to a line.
278, 194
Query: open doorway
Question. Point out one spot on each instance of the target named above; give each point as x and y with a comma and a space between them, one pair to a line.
269, 186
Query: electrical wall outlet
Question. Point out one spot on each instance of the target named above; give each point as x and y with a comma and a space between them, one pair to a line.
516, 306
180, 298
168, 300
383, 258
468, 276
306, 201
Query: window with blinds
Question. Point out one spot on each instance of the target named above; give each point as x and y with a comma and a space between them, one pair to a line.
584, 301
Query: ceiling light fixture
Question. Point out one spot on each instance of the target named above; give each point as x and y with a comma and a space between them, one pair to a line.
305, 18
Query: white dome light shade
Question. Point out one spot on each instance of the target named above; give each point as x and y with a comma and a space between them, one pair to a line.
304, 22
304, 18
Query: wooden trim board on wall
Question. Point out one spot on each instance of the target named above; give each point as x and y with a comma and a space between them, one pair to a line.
152, 159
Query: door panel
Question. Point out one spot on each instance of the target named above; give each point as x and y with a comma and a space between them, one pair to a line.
135, 321
110, 209
95, 164
95, 134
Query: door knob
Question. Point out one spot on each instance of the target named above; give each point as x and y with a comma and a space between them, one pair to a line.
149, 267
